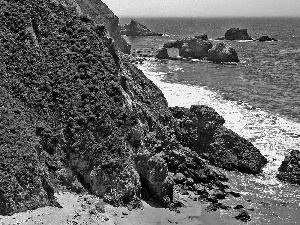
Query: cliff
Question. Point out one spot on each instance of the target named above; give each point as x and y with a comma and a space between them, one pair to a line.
76, 114
100, 13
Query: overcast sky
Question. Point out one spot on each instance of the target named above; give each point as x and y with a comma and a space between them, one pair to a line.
203, 8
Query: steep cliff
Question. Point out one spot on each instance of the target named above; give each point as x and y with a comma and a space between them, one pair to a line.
71, 105
100, 13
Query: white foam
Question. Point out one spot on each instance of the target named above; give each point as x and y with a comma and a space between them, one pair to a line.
273, 135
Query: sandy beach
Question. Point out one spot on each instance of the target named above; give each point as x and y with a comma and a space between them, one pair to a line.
84, 209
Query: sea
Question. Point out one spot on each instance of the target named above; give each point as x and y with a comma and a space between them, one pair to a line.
259, 98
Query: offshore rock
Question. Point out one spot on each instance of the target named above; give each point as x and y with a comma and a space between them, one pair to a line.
101, 14
222, 53
135, 28
194, 47
289, 170
162, 53
237, 34
201, 129
266, 38
191, 47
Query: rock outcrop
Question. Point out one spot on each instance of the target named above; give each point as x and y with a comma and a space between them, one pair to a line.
195, 48
289, 170
199, 47
191, 47
237, 34
201, 129
135, 28
266, 38
221, 53
100, 13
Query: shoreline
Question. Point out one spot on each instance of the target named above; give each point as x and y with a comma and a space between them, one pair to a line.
80, 209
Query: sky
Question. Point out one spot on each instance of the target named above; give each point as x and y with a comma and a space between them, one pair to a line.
204, 8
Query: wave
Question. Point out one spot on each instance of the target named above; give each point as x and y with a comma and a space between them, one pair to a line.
274, 135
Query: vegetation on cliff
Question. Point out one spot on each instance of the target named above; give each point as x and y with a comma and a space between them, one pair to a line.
72, 106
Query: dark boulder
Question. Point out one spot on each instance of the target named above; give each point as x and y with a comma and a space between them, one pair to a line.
222, 53
135, 28
289, 170
243, 216
201, 129
162, 54
237, 34
266, 38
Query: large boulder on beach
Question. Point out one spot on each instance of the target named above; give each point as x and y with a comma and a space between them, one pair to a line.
135, 28
194, 47
266, 38
162, 53
289, 170
201, 129
221, 53
237, 34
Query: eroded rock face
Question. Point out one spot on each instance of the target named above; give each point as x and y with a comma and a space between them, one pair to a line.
135, 28
201, 129
222, 53
237, 34
289, 170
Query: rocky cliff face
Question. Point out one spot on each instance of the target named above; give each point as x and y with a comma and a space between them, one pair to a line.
75, 112
100, 13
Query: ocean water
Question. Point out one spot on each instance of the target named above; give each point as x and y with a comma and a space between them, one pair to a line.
259, 99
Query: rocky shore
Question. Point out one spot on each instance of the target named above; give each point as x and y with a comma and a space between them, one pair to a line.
77, 116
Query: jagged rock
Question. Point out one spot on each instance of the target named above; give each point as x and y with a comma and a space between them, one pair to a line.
154, 174
135, 28
289, 170
266, 38
195, 48
201, 129
162, 54
222, 53
237, 34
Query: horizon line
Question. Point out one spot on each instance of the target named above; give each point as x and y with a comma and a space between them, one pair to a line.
195, 17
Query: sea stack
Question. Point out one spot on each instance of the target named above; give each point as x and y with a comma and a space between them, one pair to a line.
237, 34
135, 28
